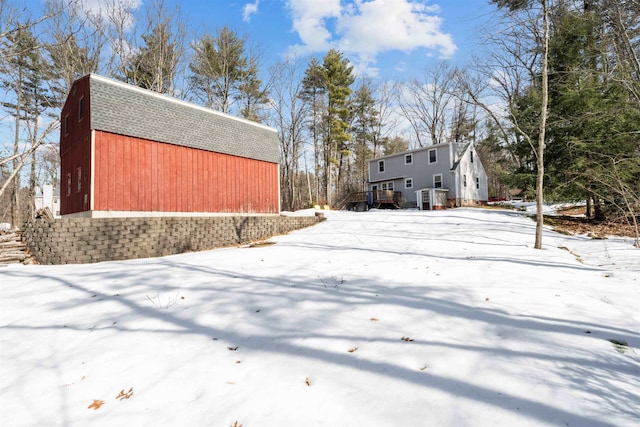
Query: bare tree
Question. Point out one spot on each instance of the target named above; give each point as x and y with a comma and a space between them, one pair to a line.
289, 117
387, 119
518, 66
121, 34
623, 20
75, 41
156, 63
539, 145
426, 104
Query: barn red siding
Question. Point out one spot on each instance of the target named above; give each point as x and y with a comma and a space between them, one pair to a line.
75, 149
134, 174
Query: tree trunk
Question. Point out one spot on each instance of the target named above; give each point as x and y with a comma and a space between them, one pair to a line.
32, 176
15, 190
543, 126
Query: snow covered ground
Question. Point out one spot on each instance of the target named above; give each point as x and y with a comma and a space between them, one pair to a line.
381, 318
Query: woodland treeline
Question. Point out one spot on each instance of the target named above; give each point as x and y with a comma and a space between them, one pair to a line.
552, 103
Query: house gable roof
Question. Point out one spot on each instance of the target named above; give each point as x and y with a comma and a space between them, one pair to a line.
124, 109
462, 153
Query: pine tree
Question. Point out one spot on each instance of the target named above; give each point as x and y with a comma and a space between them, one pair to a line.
155, 64
339, 78
25, 80
364, 123
218, 68
251, 93
594, 114
313, 94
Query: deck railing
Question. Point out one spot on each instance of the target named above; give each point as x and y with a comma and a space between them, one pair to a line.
386, 197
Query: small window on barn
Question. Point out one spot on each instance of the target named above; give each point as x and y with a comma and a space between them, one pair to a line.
408, 183
79, 176
471, 153
66, 125
81, 109
433, 156
408, 159
68, 184
437, 181
380, 165
477, 182
464, 180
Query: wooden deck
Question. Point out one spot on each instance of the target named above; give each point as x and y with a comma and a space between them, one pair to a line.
363, 200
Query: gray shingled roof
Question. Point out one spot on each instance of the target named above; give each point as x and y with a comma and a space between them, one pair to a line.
124, 109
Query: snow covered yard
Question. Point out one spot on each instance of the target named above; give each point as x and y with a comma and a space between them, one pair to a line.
383, 318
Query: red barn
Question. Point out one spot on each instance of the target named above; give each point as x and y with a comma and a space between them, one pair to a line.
127, 151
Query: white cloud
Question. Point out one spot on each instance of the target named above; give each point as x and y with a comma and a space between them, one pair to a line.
310, 22
100, 7
250, 9
124, 9
366, 28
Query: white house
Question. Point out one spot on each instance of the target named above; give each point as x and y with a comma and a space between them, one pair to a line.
48, 198
433, 177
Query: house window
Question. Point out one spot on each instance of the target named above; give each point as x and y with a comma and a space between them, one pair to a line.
433, 157
384, 185
464, 180
81, 109
380, 165
79, 176
68, 184
408, 183
408, 159
471, 153
477, 182
437, 181
66, 125
390, 186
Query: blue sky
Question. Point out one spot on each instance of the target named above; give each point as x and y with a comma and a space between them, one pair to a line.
388, 39
384, 38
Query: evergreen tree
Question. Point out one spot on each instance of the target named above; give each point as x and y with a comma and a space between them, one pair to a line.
25, 77
594, 115
218, 69
364, 123
251, 93
339, 78
394, 145
314, 89
155, 64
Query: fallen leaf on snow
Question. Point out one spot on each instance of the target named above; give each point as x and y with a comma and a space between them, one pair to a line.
96, 404
122, 395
